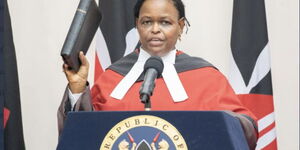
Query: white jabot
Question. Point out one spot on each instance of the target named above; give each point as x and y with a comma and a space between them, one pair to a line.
169, 75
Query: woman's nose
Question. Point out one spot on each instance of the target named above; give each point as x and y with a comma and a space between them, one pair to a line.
155, 28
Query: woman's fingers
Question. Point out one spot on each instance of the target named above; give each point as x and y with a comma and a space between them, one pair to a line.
67, 71
83, 59
77, 80
84, 68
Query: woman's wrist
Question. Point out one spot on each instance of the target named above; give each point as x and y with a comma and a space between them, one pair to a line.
77, 87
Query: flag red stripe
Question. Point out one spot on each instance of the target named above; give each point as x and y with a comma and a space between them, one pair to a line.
271, 146
267, 129
6, 114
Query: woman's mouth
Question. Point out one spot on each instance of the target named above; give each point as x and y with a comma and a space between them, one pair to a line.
155, 42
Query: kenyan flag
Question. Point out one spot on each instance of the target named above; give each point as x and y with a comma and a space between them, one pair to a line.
250, 74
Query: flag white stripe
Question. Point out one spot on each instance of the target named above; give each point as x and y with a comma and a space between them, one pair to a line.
266, 139
266, 121
235, 78
132, 39
261, 69
102, 50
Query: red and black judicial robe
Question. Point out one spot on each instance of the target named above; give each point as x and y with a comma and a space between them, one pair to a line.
206, 87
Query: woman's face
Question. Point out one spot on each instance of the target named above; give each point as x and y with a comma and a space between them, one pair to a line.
159, 26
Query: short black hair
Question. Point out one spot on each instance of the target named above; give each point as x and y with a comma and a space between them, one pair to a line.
177, 3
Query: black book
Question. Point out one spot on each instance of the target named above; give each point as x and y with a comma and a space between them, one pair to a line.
81, 33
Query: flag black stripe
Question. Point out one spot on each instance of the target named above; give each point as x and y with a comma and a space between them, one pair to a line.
249, 34
117, 20
13, 133
264, 86
2, 86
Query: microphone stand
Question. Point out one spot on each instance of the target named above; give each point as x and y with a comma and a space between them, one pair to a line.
148, 106
147, 103
147, 87
153, 68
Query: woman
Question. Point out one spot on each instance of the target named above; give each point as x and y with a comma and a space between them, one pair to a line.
187, 83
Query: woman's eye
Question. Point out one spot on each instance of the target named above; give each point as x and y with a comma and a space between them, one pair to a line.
165, 23
146, 22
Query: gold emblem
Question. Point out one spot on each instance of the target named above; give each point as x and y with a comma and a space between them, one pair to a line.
159, 142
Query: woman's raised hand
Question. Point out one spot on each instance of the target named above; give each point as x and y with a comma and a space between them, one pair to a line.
78, 80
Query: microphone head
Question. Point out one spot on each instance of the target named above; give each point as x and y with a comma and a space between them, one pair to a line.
156, 63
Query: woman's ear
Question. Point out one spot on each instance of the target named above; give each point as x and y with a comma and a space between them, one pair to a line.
181, 23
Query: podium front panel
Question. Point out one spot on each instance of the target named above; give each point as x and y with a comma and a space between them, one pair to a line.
194, 130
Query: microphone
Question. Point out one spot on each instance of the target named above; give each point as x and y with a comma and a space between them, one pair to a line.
153, 69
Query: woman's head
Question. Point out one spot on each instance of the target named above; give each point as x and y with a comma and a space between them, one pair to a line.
177, 3
160, 24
